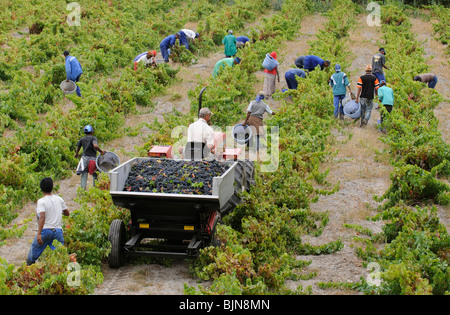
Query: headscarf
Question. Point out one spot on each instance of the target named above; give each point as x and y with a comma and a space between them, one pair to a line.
259, 97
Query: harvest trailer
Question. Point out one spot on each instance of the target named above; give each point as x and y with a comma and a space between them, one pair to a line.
171, 224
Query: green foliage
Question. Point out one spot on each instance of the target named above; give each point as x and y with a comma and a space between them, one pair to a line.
54, 277
415, 259
87, 228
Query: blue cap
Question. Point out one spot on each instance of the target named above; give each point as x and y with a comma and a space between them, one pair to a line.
237, 59
88, 129
337, 68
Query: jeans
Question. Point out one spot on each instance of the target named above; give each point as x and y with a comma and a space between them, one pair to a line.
366, 110
380, 77
165, 52
78, 91
432, 83
338, 107
47, 235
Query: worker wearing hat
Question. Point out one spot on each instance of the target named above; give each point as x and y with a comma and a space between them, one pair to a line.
148, 58
367, 85
339, 83
230, 44
226, 62
87, 164
378, 63
255, 114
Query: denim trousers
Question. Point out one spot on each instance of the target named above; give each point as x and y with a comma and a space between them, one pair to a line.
47, 236
338, 107
78, 91
432, 83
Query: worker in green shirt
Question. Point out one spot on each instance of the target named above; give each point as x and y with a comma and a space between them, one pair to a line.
230, 62
386, 97
230, 44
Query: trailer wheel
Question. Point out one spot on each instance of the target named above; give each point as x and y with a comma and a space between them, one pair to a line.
215, 241
239, 176
249, 175
116, 237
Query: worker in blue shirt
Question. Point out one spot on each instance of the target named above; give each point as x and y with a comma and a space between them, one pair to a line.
183, 39
73, 70
241, 41
291, 77
309, 63
166, 43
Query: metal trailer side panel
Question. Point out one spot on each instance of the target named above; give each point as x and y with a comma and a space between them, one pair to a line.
222, 190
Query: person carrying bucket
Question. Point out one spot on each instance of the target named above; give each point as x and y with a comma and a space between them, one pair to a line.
87, 163
270, 77
339, 83
73, 70
255, 114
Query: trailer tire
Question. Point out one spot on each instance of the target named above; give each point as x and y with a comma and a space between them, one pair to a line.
249, 175
116, 237
239, 176
215, 241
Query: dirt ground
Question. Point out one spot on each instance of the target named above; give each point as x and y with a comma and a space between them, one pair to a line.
360, 172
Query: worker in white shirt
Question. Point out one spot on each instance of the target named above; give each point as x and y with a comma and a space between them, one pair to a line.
190, 34
201, 132
147, 58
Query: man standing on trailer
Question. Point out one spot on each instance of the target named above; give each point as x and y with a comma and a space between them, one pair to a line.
201, 132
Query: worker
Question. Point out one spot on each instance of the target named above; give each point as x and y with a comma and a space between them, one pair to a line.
386, 97
87, 164
49, 210
270, 78
165, 45
292, 76
310, 62
148, 58
73, 70
428, 78
190, 34
367, 85
200, 132
255, 114
378, 63
182, 37
230, 44
230, 62
241, 41
339, 83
